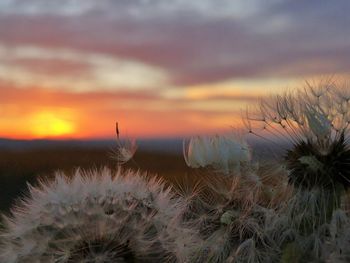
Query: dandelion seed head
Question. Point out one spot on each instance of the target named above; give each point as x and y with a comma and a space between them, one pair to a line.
313, 124
311, 167
96, 216
314, 121
232, 217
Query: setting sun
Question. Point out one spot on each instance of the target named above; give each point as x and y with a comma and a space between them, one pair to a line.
48, 124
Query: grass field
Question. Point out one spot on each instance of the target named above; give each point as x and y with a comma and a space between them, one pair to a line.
17, 168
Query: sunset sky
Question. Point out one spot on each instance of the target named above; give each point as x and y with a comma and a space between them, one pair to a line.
161, 68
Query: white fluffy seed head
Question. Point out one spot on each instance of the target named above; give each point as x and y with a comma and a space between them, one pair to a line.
99, 215
229, 218
224, 153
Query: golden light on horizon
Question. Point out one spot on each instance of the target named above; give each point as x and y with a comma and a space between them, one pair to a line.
50, 124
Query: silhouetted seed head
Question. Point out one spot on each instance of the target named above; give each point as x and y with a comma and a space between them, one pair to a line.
315, 121
312, 126
311, 167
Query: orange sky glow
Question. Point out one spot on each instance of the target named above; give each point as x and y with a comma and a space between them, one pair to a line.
72, 71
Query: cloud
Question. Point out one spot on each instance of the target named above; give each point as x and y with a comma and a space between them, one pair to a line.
136, 8
41, 97
194, 42
197, 97
28, 65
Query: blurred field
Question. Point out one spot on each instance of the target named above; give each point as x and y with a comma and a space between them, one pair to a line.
17, 168
25, 162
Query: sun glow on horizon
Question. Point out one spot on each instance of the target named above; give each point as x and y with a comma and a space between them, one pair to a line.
49, 124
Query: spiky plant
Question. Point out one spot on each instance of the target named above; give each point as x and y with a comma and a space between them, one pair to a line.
307, 238
231, 156
96, 216
235, 209
315, 120
234, 227
310, 167
314, 124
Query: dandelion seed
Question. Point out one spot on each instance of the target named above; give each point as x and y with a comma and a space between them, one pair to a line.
125, 150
